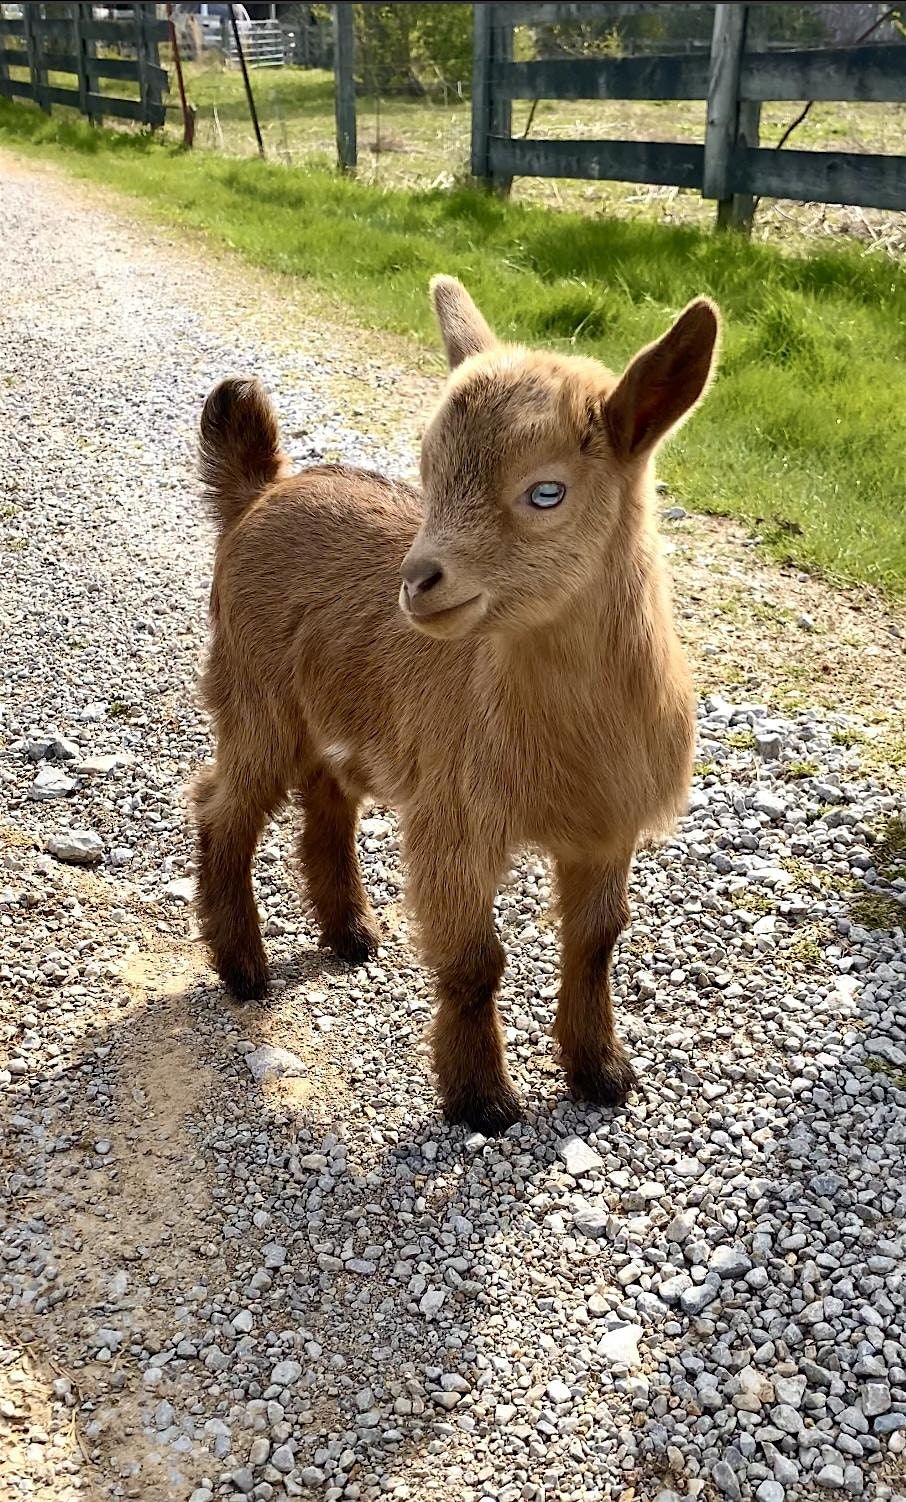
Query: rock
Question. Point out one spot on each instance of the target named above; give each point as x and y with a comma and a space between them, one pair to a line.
724, 1478
729, 1262
96, 766
621, 1345
674, 513
285, 1373
558, 1392
772, 807
786, 1418
76, 847
580, 1159
672, 1289
432, 1301
51, 783
180, 890
770, 1491
889, 1423
274, 1255
243, 1480
768, 744
696, 1299
590, 1221
259, 1451
790, 1390
875, 1399
680, 1227
269, 1061
283, 1460
830, 1477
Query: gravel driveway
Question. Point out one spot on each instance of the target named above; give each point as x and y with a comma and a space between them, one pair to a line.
241, 1253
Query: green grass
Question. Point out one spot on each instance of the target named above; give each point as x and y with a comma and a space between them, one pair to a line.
803, 429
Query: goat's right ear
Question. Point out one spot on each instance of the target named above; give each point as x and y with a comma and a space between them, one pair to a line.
664, 382
462, 327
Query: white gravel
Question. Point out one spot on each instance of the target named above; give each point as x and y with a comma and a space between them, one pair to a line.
241, 1255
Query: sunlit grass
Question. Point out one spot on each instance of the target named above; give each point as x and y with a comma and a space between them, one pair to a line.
802, 432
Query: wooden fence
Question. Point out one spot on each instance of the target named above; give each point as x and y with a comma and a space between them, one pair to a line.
34, 48
729, 165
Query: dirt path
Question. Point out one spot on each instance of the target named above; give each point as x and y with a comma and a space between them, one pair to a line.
215, 1286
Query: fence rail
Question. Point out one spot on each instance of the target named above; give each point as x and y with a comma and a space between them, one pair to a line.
729, 165
69, 45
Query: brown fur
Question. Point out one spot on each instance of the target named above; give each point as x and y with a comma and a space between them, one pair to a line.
528, 689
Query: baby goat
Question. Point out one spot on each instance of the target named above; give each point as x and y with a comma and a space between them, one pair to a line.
524, 686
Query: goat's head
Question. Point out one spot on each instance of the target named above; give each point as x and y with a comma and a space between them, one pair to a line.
531, 463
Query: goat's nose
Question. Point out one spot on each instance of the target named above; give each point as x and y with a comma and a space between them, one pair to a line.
421, 575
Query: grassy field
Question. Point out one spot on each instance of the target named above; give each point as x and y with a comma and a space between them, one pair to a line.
418, 143
803, 431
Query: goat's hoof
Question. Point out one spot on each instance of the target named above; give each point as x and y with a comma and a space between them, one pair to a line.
354, 944
488, 1114
246, 982
603, 1082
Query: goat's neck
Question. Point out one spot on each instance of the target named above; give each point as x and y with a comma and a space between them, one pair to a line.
605, 638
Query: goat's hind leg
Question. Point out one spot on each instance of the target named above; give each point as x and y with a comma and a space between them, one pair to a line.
232, 804
593, 912
333, 876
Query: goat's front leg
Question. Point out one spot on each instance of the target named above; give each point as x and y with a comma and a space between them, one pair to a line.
594, 911
452, 888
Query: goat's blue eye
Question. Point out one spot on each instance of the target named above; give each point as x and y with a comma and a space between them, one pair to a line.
549, 493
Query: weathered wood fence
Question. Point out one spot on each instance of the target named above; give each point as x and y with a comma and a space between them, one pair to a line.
728, 165
35, 47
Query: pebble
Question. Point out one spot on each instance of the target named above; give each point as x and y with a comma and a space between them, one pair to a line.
77, 847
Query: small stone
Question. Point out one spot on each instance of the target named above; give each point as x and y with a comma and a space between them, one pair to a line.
580, 1159
830, 1477
283, 1460
696, 1299
724, 1477
875, 1399
76, 847
312, 1475
285, 1373
243, 1321
274, 1255
770, 1491
729, 1262
790, 1390
786, 1418
181, 890
773, 808
432, 1301
590, 1221
621, 1345
51, 783
268, 1061
243, 1480
558, 1392
260, 1450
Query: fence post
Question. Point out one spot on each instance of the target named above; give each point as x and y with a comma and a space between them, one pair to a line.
36, 66
344, 84
492, 42
85, 49
147, 53
722, 132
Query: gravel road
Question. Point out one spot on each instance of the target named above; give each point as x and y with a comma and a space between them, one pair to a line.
241, 1255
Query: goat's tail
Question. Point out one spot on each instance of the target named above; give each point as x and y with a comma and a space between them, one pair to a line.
239, 450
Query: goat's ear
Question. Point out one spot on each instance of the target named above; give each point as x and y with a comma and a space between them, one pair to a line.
664, 382
462, 327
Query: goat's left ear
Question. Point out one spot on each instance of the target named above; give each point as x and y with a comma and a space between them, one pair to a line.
462, 327
664, 381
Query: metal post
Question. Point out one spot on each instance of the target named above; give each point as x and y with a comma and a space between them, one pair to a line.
246, 80
344, 85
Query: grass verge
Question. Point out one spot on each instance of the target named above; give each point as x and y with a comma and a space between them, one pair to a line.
802, 432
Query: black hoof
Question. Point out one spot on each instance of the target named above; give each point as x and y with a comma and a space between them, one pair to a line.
246, 983
604, 1082
488, 1114
355, 944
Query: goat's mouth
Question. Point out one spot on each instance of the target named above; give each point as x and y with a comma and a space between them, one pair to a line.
450, 620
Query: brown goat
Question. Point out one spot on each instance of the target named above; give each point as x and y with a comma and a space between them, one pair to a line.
524, 688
